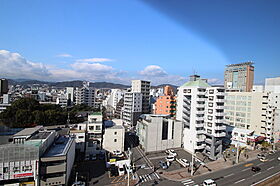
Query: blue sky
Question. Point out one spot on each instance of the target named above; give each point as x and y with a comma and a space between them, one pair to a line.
120, 40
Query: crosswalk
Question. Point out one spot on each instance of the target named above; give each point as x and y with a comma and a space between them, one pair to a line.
148, 177
188, 182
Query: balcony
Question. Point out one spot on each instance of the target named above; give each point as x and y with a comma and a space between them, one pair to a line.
199, 118
220, 107
208, 141
220, 93
199, 125
200, 112
221, 134
199, 146
219, 114
219, 120
220, 100
199, 132
60, 180
200, 99
220, 127
200, 139
207, 147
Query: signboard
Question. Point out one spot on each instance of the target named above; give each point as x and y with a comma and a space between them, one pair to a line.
29, 174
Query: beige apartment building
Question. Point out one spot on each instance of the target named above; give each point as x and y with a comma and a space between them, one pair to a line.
247, 110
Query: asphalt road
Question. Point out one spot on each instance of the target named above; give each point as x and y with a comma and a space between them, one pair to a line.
242, 174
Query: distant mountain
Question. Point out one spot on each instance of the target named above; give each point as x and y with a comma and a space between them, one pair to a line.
163, 85
76, 83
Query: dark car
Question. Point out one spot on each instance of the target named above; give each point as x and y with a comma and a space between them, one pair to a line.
256, 169
114, 171
163, 165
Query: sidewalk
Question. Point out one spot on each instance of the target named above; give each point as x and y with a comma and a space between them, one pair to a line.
220, 164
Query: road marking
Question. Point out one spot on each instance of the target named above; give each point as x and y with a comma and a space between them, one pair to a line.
229, 175
239, 181
270, 168
186, 180
272, 159
257, 174
188, 183
260, 164
248, 165
245, 169
265, 178
156, 175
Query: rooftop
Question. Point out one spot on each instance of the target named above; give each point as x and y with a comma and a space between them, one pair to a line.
28, 131
241, 64
41, 135
96, 113
197, 83
60, 147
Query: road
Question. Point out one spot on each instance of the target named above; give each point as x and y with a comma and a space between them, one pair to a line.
145, 168
242, 174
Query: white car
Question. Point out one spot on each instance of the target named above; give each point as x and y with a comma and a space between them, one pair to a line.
278, 158
170, 158
171, 152
184, 162
209, 182
121, 171
117, 153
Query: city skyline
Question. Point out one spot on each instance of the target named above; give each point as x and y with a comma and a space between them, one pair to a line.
97, 41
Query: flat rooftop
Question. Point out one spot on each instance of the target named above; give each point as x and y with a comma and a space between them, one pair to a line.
28, 131
41, 135
60, 147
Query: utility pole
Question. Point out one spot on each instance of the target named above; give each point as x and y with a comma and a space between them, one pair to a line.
192, 161
237, 152
128, 167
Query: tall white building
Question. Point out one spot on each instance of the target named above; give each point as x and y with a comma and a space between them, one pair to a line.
85, 95
132, 107
198, 102
144, 88
113, 98
70, 94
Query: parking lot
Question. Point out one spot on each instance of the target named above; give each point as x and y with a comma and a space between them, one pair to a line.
155, 158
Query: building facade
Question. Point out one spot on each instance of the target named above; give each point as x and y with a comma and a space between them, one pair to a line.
132, 107
3, 86
143, 87
239, 77
159, 132
166, 104
199, 104
85, 95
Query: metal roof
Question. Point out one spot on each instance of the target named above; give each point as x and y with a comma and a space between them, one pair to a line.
28, 131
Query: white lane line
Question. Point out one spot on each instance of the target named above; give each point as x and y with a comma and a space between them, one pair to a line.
157, 175
239, 181
150, 177
257, 174
186, 180
265, 178
270, 168
245, 169
272, 159
229, 175
188, 183
260, 164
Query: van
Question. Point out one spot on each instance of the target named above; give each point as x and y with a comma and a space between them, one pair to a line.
209, 182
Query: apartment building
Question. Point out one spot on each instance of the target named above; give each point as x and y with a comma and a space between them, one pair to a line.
215, 130
114, 136
113, 98
85, 95
166, 104
159, 132
200, 108
132, 107
143, 87
239, 77
95, 133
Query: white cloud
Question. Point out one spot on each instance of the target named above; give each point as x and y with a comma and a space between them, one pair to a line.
64, 55
215, 81
91, 67
13, 65
95, 60
153, 70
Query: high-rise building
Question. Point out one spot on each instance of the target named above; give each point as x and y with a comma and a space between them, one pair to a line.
3, 86
132, 107
166, 104
144, 88
201, 109
70, 94
239, 77
85, 95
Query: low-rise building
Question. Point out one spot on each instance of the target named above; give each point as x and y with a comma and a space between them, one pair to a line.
159, 132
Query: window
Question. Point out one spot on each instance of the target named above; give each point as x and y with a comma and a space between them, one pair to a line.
5, 169
115, 133
80, 137
91, 128
209, 131
210, 104
164, 130
211, 91
210, 117
98, 127
115, 140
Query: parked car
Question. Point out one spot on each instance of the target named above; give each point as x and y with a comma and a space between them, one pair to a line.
92, 157
171, 152
117, 153
163, 165
114, 171
271, 152
263, 159
260, 156
184, 162
256, 169
209, 182
121, 171
170, 158
79, 183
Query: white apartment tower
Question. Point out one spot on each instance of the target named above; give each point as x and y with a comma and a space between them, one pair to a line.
198, 102
144, 88
85, 95
132, 107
